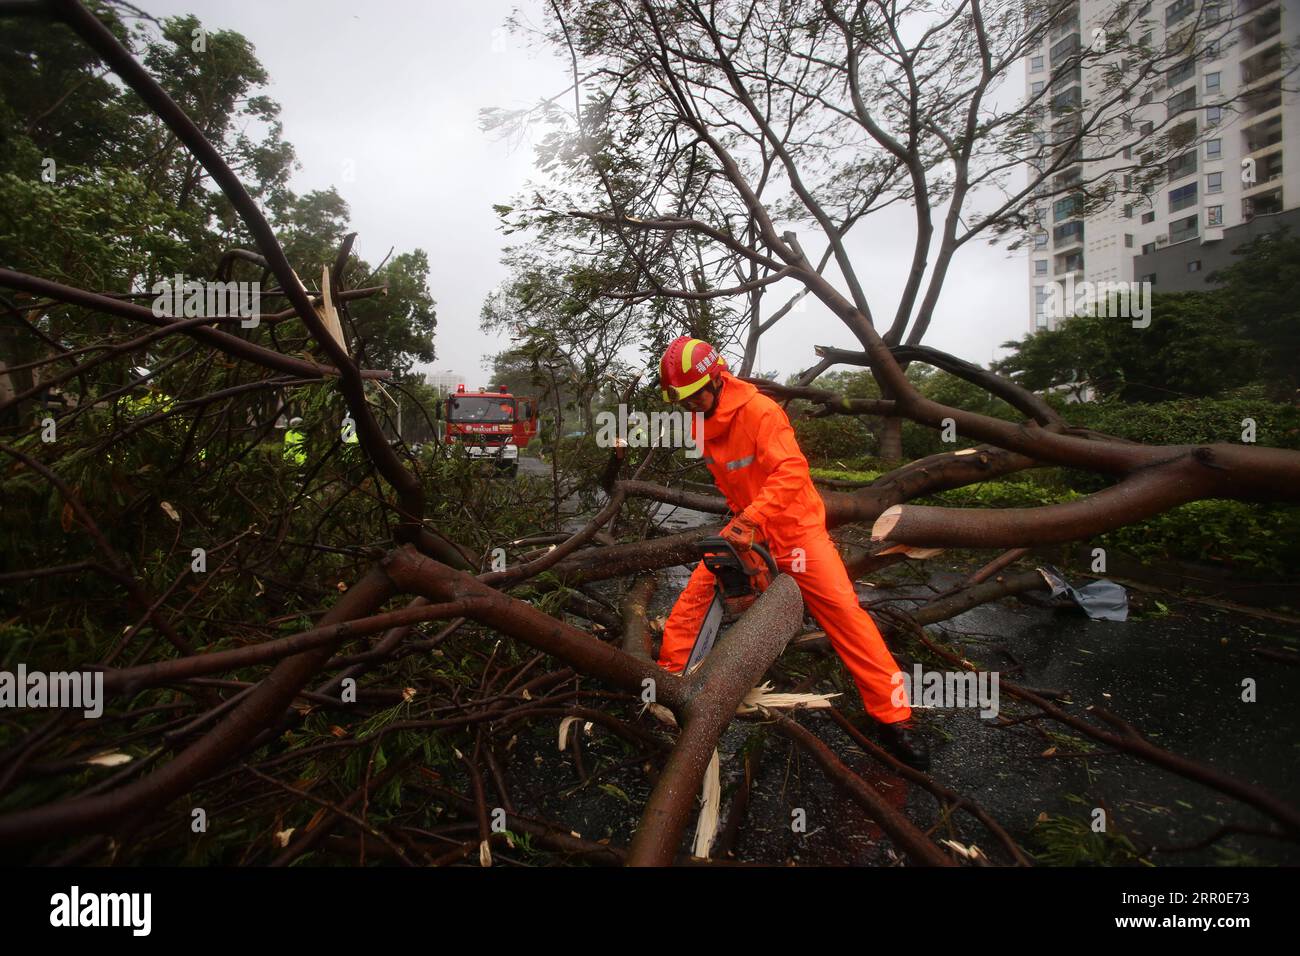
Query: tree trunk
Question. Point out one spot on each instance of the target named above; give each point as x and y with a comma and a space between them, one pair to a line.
891, 440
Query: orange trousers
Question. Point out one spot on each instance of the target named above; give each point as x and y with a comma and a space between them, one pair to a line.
829, 596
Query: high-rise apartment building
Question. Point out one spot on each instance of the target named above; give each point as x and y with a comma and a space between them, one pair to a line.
444, 382
1228, 105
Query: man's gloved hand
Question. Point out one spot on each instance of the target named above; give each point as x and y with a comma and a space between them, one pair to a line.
742, 533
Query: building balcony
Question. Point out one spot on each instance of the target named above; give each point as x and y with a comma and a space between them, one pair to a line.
1262, 124
1263, 204
1262, 154
1063, 49
1068, 237
1253, 81
1264, 26
1067, 22
1262, 64
1067, 102
1268, 175
1258, 102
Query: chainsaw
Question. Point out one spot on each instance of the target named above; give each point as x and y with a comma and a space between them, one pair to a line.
740, 577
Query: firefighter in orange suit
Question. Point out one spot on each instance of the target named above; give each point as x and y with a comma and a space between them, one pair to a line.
750, 450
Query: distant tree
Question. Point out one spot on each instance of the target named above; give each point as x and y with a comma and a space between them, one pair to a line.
1260, 295
1191, 349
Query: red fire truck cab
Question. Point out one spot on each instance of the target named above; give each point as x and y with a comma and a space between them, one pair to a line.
491, 424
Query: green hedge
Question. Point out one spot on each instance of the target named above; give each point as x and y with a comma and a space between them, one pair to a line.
1191, 422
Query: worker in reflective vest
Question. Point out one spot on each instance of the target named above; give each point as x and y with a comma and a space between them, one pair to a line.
750, 450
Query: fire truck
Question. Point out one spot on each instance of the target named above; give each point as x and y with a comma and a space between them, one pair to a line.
491, 424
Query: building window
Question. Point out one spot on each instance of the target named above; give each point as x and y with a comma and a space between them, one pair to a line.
1036, 87
1148, 248
1066, 101
1035, 64
1146, 129
1128, 240
1128, 210
1214, 216
1184, 164
1071, 263
1193, 265
1064, 208
1068, 234
1213, 148
1178, 10
1149, 277
1182, 72
1212, 13
1211, 82
1213, 114
1040, 310
1182, 197
1148, 217
1180, 230
1040, 267
1182, 134
1128, 152
1040, 240
1146, 97
1214, 183
1179, 102
1144, 9
1212, 50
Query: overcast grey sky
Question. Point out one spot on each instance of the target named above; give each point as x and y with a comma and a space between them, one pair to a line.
381, 100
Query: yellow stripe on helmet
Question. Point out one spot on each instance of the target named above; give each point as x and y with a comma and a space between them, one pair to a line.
686, 353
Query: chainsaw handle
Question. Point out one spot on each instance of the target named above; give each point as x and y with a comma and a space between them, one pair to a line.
718, 544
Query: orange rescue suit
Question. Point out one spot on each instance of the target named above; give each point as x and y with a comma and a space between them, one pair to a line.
750, 449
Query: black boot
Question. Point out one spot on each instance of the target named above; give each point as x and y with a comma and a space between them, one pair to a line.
904, 741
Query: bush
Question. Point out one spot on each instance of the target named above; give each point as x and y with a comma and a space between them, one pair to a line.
1232, 534
1192, 422
836, 436
1237, 535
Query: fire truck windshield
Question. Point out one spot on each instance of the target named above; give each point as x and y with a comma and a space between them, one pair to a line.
477, 408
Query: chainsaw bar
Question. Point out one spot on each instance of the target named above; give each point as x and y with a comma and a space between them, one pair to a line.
739, 580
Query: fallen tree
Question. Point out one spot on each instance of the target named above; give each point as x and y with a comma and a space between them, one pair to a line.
233, 738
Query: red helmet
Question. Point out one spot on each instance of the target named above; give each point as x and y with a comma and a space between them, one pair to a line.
687, 366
